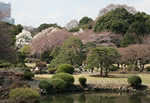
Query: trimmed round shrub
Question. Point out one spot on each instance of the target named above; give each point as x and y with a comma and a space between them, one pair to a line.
114, 68
45, 85
82, 81
148, 69
28, 75
22, 95
65, 68
51, 70
68, 78
135, 81
59, 83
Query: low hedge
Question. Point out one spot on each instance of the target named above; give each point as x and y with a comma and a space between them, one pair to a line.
58, 83
28, 75
52, 70
148, 69
114, 68
21, 95
68, 78
65, 68
135, 81
82, 81
45, 85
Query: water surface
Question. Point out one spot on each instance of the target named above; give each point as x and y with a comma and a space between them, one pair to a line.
96, 98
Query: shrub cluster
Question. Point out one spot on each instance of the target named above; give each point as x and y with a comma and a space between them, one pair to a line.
114, 68
148, 68
41, 64
51, 70
68, 78
66, 68
59, 83
82, 81
135, 81
21, 95
28, 75
45, 85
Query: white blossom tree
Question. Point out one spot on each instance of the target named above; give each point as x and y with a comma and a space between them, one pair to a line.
72, 24
23, 38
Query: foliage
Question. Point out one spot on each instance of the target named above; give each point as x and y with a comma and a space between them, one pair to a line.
52, 70
140, 25
25, 50
71, 53
68, 78
24, 95
74, 29
46, 56
59, 83
135, 81
5, 64
65, 68
85, 21
130, 67
45, 26
55, 51
147, 68
117, 21
103, 57
19, 84
41, 64
114, 68
7, 52
20, 58
129, 39
82, 81
28, 75
45, 85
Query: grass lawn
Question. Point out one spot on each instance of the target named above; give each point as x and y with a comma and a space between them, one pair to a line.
113, 79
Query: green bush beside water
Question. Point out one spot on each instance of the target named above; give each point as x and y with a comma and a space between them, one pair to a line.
24, 95
58, 83
82, 81
45, 85
65, 68
135, 81
68, 78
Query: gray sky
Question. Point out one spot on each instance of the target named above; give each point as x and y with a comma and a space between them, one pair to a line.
36, 12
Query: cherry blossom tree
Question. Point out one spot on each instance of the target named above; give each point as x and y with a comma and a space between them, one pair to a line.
72, 24
46, 40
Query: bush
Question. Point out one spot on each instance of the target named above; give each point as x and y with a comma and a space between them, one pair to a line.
25, 69
82, 81
114, 68
148, 68
59, 83
19, 84
51, 70
135, 81
66, 68
22, 95
74, 30
69, 79
130, 67
28, 75
5, 64
41, 64
45, 85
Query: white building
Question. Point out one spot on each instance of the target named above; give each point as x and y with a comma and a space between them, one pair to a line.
5, 9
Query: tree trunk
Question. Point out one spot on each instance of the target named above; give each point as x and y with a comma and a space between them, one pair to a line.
101, 71
106, 72
142, 68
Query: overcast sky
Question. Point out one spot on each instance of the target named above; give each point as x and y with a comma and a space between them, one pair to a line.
36, 12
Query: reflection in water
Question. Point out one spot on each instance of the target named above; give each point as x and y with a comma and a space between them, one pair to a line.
95, 98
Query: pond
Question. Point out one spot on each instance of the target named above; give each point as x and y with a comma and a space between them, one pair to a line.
90, 97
